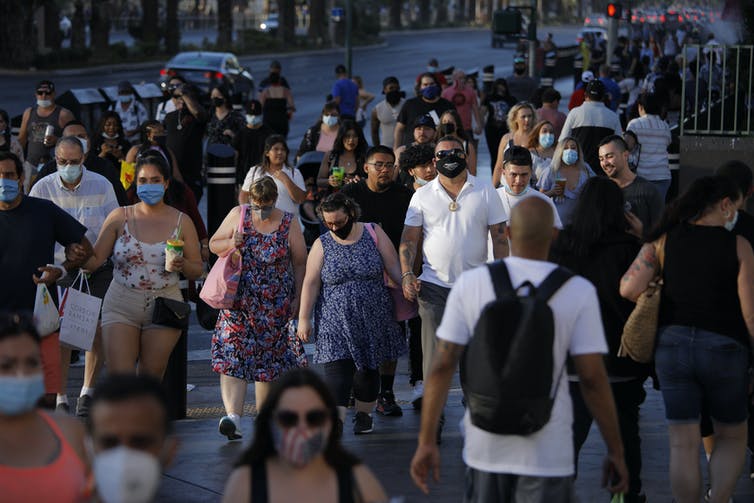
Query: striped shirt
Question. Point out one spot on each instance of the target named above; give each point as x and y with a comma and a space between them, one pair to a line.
654, 136
89, 202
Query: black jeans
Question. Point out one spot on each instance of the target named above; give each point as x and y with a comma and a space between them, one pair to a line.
341, 376
414, 327
628, 395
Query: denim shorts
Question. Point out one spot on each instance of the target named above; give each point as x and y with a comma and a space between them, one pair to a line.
696, 367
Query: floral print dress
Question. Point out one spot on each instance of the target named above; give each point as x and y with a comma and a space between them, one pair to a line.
253, 340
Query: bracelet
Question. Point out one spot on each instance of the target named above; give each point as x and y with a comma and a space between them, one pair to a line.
409, 273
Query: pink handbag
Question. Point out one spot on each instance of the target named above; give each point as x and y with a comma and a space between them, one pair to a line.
221, 285
404, 309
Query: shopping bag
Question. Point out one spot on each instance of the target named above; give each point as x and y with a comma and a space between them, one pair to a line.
46, 316
221, 284
127, 170
80, 316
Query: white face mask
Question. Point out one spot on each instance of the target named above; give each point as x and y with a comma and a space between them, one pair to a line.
420, 181
254, 120
84, 144
44, 103
731, 224
125, 475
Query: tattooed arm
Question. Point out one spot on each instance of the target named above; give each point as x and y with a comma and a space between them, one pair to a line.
499, 241
407, 254
643, 270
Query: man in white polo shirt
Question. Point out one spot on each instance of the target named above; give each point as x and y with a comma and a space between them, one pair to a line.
539, 466
89, 198
453, 215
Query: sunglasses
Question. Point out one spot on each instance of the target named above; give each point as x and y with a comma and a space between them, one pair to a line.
442, 154
314, 418
44, 92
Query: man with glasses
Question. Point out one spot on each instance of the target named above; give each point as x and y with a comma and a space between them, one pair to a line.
452, 216
30, 228
383, 202
89, 198
41, 126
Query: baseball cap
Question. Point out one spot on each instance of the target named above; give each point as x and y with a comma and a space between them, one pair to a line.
46, 84
390, 80
595, 90
275, 64
587, 76
519, 59
424, 120
124, 86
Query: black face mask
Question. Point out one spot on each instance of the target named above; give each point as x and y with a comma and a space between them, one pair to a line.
345, 230
274, 78
451, 166
218, 102
519, 70
393, 97
447, 129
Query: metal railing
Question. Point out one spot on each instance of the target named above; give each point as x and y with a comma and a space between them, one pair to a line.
717, 94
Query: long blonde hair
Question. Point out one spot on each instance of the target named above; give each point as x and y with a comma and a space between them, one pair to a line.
557, 156
511, 120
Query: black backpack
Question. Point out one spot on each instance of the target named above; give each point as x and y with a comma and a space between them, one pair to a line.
507, 367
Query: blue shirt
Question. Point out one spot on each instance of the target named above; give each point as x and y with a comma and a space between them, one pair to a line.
348, 92
614, 91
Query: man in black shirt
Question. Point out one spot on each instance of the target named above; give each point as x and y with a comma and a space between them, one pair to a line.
643, 201
427, 102
385, 203
275, 67
185, 128
249, 142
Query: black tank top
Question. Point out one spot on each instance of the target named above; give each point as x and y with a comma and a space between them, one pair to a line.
36, 152
259, 484
701, 281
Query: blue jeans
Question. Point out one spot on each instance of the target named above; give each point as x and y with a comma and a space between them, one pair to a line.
696, 367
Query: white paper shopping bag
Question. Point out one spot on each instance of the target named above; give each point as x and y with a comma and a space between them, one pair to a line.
46, 316
80, 315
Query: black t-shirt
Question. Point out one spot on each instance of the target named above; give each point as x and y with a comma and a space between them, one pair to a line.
95, 164
387, 209
745, 227
186, 143
416, 107
249, 144
498, 107
29, 233
645, 201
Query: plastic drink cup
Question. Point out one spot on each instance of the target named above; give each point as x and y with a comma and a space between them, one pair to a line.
560, 182
49, 131
339, 172
173, 248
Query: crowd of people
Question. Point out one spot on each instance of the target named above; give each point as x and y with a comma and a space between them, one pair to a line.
393, 265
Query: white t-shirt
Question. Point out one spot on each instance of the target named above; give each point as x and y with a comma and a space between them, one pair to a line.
578, 330
284, 202
454, 241
509, 201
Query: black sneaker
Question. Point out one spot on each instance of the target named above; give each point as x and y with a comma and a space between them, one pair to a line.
228, 428
362, 423
386, 405
63, 408
82, 406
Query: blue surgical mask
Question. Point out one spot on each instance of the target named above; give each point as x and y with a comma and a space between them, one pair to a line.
151, 193
546, 140
8, 190
570, 156
431, 92
70, 173
510, 191
253, 120
431, 69
19, 394
125, 98
330, 120
421, 182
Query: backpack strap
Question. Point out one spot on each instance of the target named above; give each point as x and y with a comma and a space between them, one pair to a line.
501, 280
553, 282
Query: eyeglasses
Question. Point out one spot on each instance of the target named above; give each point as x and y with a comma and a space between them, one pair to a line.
379, 166
442, 154
289, 419
44, 92
66, 162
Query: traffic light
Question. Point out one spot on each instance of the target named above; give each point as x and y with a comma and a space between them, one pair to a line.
613, 10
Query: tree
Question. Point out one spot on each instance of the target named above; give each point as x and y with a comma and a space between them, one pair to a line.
99, 27
149, 23
286, 21
441, 9
53, 37
172, 30
317, 22
18, 39
396, 7
425, 15
224, 23
78, 29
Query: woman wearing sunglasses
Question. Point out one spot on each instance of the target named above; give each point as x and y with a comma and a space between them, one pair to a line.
296, 454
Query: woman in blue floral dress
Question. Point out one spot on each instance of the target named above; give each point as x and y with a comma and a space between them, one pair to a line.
355, 329
252, 341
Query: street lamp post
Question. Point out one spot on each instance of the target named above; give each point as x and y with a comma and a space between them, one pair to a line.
349, 27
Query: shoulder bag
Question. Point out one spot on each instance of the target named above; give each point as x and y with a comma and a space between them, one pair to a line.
640, 331
221, 285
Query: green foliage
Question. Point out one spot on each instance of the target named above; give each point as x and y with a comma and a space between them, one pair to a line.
62, 58
118, 51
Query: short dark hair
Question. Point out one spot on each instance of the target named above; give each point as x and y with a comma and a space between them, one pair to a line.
380, 149
416, 155
450, 138
14, 323
517, 155
340, 70
122, 387
153, 160
614, 138
650, 103
390, 80
10, 156
551, 95
339, 201
739, 172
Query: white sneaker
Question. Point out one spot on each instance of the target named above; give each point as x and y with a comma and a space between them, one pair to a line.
417, 394
230, 427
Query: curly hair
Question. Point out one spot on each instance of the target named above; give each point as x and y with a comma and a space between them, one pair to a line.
416, 155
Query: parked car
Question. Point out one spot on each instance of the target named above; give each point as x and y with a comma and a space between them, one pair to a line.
270, 24
208, 69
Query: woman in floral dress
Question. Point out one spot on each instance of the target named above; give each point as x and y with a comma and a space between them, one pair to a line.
252, 341
355, 327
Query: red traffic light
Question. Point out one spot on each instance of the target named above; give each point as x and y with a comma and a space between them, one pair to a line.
613, 10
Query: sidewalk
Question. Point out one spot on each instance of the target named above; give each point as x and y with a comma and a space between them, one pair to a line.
205, 458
